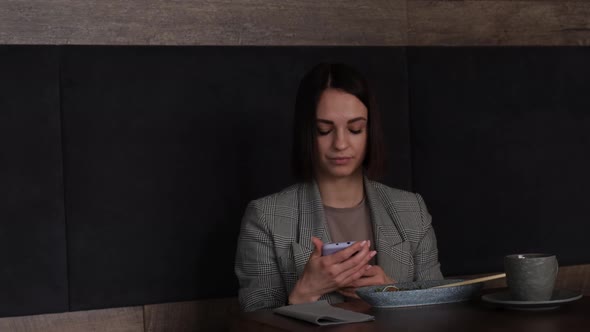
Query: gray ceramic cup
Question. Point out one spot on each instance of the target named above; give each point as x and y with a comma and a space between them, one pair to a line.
531, 277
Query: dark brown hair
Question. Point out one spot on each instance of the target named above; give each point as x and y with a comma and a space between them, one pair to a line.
313, 84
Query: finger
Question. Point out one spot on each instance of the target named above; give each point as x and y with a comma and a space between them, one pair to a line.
355, 259
348, 292
354, 271
368, 278
359, 260
361, 266
371, 271
367, 281
355, 275
371, 281
317, 251
376, 276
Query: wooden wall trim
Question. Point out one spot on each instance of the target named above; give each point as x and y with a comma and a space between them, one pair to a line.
208, 315
128, 319
210, 22
285, 22
491, 23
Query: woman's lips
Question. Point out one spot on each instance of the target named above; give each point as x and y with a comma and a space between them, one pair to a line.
340, 160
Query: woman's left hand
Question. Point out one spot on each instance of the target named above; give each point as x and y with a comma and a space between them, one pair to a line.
374, 276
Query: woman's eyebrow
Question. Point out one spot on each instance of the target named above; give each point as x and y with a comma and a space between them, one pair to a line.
325, 121
360, 118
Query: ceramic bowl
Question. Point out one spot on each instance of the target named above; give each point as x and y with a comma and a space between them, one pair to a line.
418, 293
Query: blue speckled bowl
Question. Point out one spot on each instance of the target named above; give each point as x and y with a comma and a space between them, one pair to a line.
419, 293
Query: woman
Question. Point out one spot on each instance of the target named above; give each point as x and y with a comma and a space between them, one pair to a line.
337, 149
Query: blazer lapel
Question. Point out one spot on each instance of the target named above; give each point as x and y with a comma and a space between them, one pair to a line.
390, 237
312, 223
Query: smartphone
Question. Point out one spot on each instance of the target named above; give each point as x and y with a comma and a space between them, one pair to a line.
334, 247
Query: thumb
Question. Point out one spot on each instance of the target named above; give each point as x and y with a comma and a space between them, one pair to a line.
318, 244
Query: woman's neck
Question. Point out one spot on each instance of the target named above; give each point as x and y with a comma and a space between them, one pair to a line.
342, 192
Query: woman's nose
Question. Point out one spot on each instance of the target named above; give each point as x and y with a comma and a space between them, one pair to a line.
340, 140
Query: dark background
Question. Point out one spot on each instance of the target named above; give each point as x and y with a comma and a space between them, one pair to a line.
126, 170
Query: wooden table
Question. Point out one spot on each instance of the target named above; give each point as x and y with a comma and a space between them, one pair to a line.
457, 317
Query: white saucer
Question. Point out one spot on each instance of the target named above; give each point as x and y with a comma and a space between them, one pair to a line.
559, 297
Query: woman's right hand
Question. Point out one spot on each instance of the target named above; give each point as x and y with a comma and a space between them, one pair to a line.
325, 274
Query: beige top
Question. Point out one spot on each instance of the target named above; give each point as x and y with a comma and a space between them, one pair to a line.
350, 224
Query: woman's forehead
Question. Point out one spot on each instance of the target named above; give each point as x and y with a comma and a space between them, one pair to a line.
337, 105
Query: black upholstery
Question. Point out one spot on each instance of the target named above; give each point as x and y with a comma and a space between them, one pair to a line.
126, 170
165, 146
33, 274
500, 138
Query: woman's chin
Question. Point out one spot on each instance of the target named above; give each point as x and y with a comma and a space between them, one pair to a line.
341, 173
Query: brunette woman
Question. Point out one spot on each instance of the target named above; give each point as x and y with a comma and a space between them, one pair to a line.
338, 151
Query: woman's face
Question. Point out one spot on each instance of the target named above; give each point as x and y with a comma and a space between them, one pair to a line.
341, 120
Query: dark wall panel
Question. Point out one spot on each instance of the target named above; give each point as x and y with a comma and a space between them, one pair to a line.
500, 144
165, 146
32, 228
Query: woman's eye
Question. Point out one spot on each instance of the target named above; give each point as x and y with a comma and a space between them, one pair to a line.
323, 132
356, 132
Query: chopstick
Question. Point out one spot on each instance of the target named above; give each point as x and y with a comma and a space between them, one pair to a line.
473, 281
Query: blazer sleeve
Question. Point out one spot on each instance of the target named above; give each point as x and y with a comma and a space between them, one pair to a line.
426, 264
261, 285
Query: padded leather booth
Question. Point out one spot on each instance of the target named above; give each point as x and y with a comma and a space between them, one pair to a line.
126, 170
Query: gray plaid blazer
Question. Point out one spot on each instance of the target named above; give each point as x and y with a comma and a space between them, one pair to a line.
275, 241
